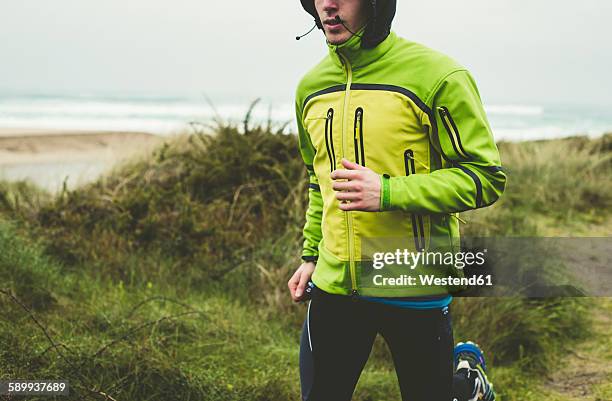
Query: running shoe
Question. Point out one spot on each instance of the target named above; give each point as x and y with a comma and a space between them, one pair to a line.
469, 360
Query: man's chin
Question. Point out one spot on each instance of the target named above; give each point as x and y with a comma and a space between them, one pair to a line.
338, 39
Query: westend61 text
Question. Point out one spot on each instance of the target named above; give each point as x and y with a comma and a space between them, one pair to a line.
431, 280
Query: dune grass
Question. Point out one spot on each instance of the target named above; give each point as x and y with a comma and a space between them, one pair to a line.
557, 187
166, 278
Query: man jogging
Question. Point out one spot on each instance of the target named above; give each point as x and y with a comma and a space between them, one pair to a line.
396, 143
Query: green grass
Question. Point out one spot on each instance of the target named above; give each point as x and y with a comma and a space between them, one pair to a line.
153, 342
166, 279
555, 188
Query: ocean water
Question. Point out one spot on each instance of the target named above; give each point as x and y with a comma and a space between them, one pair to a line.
166, 115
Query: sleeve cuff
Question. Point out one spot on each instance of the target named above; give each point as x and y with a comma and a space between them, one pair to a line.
385, 192
310, 258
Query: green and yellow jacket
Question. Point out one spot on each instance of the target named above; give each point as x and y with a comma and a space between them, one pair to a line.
414, 116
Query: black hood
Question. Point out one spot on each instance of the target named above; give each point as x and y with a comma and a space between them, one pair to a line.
379, 20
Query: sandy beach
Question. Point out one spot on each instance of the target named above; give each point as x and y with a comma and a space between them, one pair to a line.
48, 157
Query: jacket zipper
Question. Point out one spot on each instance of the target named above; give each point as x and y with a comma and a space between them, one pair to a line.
417, 220
358, 137
348, 216
329, 142
453, 131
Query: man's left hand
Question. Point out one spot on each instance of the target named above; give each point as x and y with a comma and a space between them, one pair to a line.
361, 191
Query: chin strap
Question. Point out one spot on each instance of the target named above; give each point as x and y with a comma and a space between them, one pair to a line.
341, 21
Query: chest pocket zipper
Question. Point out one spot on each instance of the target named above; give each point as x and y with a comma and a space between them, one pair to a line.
358, 137
418, 230
329, 139
453, 132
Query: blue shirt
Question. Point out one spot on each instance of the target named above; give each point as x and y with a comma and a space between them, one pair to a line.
406, 302
433, 303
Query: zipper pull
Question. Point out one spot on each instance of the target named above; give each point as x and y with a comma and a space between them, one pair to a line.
358, 130
354, 295
411, 156
456, 215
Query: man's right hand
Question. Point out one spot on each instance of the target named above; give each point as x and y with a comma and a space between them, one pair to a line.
297, 282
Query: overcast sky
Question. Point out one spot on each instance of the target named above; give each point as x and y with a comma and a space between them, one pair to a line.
520, 51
